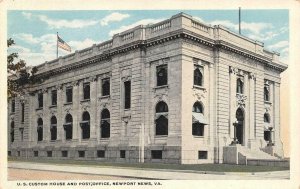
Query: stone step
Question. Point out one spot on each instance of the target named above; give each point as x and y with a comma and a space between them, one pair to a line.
251, 154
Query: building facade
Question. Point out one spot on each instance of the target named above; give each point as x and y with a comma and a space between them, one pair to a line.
178, 91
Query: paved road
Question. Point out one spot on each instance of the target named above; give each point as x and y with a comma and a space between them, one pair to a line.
25, 174
131, 173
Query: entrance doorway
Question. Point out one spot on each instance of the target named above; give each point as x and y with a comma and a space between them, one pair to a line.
240, 127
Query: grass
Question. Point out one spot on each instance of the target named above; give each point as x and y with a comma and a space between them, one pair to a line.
192, 167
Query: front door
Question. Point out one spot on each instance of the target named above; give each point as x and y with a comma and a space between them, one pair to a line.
239, 133
240, 126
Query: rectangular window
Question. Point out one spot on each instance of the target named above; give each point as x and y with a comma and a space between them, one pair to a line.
23, 113
54, 97
81, 154
40, 100
22, 134
9, 153
105, 87
64, 153
202, 154
127, 95
69, 94
36, 153
86, 91
162, 75
19, 153
156, 154
100, 153
13, 106
49, 153
122, 153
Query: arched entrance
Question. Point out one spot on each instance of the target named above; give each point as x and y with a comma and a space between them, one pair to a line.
240, 127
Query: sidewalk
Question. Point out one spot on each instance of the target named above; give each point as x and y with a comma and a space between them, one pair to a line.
150, 173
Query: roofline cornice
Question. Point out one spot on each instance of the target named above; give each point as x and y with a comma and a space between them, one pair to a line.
179, 34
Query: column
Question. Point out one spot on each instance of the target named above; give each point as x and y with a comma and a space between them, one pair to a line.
232, 100
251, 106
46, 115
60, 116
276, 119
76, 112
93, 112
211, 101
247, 117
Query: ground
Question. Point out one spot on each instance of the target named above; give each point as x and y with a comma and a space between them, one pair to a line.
19, 170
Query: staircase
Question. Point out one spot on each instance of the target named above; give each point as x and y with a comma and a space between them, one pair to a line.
242, 155
255, 154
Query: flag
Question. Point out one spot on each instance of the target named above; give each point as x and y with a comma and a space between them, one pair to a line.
62, 44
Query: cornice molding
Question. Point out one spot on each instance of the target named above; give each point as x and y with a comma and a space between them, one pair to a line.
179, 34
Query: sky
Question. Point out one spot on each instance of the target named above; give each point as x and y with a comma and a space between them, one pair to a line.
35, 31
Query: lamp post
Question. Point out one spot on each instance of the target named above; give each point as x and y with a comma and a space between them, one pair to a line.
235, 140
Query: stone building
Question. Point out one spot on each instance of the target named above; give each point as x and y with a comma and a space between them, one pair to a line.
178, 91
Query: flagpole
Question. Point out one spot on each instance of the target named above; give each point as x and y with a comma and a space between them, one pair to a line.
56, 44
240, 20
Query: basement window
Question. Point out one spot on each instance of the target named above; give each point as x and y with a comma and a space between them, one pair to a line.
122, 153
100, 153
202, 154
156, 154
64, 153
49, 153
81, 154
36, 153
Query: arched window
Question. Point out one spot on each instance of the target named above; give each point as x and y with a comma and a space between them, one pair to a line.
197, 107
266, 94
239, 86
198, 77
198, 120
40, 129
105, 123
162, 75
267, 132
161, 118
68, 127
53, 128
85, 125
12, 131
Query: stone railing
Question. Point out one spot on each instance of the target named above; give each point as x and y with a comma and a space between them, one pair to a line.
127, 36
161, 26
70, 57
85, 52
105, 45
200, 26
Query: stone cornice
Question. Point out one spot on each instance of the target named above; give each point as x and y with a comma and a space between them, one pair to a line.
178, 34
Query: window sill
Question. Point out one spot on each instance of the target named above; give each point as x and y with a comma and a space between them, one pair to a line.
40, 108
103, 97
12, 113
53, 106
161, 87
268, 102
195, 136
198, 87
160, 136
85, 100
68, 103
104, 139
